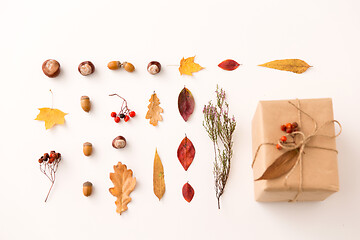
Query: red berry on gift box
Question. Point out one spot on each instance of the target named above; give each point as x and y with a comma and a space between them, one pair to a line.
294, 125
289, 130
283, 128
132, 114
127, 118
283, 138
117, 119
278, 147
288, 125
113, 114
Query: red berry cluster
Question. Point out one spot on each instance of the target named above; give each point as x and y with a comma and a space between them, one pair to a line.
288, 128
50, 158
125, 113
122, 115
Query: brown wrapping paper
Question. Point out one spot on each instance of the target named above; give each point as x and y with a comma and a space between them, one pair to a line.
320, 170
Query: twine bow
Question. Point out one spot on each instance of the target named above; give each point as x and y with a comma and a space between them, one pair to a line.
302, 144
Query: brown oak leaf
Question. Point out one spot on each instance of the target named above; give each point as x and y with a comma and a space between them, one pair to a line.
124, 184
154, 110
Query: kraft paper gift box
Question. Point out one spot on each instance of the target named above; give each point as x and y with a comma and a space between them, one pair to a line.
319, 168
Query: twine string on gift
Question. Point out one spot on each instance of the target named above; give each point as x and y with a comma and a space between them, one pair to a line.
302, 144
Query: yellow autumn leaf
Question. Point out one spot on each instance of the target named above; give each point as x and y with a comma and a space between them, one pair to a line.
188, 66
158, 177
291, 65
51, 116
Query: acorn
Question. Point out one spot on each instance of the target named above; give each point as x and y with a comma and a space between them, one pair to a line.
119, 142
87, 189
128, 66
85, 103
87, 149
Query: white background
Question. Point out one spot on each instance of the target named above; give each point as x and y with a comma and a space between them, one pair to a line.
323, 33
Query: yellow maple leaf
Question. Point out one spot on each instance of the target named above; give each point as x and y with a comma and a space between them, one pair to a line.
188, 66
51, 116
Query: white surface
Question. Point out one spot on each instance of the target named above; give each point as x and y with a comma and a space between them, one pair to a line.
323, 33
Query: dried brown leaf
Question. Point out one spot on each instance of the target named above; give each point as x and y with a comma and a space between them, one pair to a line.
291, 65
158, 177
281, 165
124, 184
154, 110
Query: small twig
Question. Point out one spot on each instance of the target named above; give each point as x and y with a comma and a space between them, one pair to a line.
52, 99
52, 184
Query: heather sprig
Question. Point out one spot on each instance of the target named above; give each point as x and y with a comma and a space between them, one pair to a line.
220, 128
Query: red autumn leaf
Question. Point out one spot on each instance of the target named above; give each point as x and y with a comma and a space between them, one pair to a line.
188, 192
186, 153
229, 65
186, 103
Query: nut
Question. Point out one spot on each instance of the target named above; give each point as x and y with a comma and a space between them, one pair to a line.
119, 142
87, 149
154, 67
87, 189
86, 68
85, 103
51, 68
113, 65
128, 67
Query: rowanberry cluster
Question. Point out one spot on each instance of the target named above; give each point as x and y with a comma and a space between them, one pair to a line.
288, 128
125, 113
122, 115
50, 158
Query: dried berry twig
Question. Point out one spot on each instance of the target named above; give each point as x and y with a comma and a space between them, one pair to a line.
48, 165
220, 129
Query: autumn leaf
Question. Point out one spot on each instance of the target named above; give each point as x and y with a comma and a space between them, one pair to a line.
281, 165
188, 192
186, 103
154, 110
51, 116
229, 65
124, 184
188, 66
186, 153
291, 65
158, 177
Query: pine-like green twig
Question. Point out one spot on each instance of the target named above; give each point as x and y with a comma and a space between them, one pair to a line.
220, 129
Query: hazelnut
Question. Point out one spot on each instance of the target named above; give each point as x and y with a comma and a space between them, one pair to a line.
51, 68
128, 67
87, 149
113, 65
119, 142
86, 68
154, 67
87, 189
85, 103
